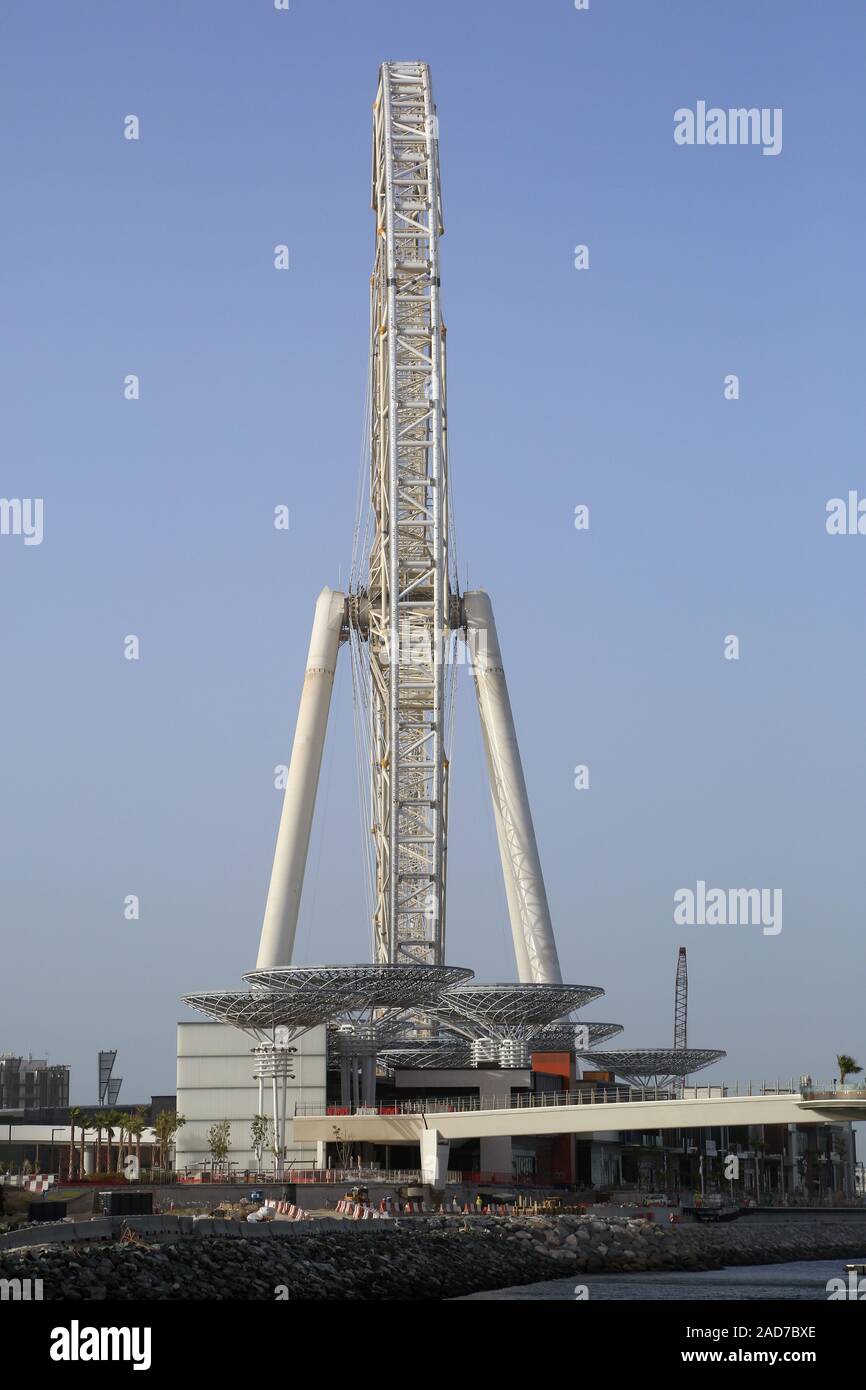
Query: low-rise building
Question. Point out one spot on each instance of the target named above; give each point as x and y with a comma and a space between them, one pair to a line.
32, 1083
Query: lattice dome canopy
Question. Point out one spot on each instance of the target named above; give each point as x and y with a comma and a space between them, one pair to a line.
657, 1066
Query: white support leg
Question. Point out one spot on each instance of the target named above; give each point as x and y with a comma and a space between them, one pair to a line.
293, 837
524, 970
534, 944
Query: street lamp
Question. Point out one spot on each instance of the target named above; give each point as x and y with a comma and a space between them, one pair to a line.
54, 1130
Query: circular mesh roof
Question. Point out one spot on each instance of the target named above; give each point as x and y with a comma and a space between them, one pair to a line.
567, 1035
655, 1066
348, 987
442, 1055
410, 1051
296, 998
510, 1006
260, 1011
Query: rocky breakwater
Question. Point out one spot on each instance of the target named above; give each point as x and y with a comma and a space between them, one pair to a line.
757, 1240
432, 1258
610, 1245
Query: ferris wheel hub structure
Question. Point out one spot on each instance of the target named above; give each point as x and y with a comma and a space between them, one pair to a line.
401, 618
404, 612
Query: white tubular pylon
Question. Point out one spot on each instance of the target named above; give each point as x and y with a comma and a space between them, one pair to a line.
524, 970
293, 837
534, 944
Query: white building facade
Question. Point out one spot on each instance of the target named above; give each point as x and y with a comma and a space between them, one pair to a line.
215, 1082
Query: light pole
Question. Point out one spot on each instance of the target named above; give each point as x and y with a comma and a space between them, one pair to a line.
54, 1130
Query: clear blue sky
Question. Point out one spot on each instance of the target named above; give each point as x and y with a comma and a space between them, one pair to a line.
603, 387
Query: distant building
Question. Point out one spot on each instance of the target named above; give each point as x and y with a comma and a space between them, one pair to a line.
29, 1083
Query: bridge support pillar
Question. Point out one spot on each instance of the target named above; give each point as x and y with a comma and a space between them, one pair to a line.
434, 1158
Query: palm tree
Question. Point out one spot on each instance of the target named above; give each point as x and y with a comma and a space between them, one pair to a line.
136, 1124
124, 1120
115, 1122
161, 1126
166, 1125
102, 1120
76, 1116
110, 1120
847, 1067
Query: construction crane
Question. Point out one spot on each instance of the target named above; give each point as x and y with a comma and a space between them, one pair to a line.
404, 614
681, 1002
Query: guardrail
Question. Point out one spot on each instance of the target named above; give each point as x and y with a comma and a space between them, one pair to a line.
834, 1093
587, 1095
367, 1176
361, 1177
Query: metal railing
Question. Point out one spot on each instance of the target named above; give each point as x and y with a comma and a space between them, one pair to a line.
368, 1175
357, 1176
587, 1095
856, 1091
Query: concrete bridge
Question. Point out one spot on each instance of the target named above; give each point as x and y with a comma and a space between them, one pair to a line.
435, 1124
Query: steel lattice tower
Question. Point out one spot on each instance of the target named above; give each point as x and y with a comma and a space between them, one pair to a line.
681, 1001
409, 605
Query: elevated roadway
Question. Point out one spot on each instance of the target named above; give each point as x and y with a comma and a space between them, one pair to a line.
578, 1113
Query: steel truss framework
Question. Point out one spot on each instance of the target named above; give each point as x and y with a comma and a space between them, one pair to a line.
501, 1022
572, 1035
408, 602
660, 1066
451, 1050
366, 1006
264, 1016
441, 1053
357, 989
465, 1008
289, 1001
681, 1001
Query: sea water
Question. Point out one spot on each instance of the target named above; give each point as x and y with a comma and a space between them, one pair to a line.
800, 1280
